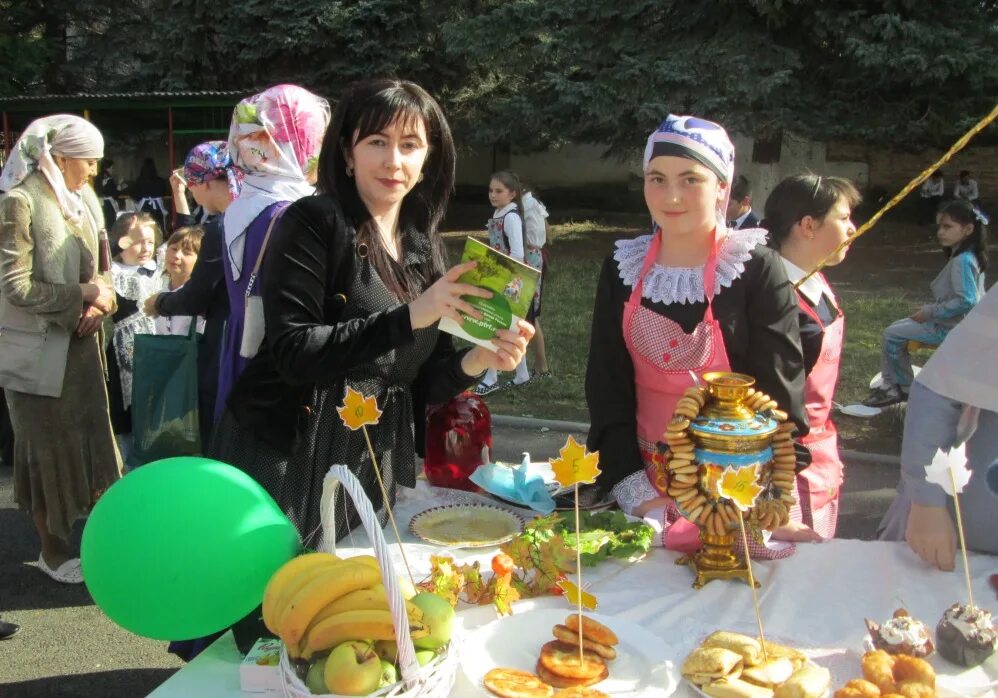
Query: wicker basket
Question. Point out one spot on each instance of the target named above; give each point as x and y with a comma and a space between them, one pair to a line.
431, 681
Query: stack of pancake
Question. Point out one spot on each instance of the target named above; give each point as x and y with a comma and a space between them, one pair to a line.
559, 665
731, 665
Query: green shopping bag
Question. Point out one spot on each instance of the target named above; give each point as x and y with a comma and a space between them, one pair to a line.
165, 397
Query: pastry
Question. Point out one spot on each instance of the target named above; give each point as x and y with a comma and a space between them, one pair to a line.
902, 634
810, 681
592, 629
913, 670
563, 659
706, 664
748, 647
892, 675
571, 637
559, 681
769, 674
966, 635
775, 651
579, 692
858, 688
878, 669
515, 683
736, 688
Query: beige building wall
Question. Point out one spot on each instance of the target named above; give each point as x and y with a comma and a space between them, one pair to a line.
583, 165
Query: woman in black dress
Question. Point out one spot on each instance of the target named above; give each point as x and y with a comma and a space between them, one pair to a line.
354, 285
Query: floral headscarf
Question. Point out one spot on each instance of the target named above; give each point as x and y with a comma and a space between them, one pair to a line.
696, 139
275, 140
210, 160
60, 134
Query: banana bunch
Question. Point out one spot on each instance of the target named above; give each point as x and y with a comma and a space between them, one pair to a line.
318, 600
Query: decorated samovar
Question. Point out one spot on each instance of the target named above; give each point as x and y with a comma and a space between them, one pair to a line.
728, 432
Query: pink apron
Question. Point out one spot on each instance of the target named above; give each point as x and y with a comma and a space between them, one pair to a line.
818, 485
663, 356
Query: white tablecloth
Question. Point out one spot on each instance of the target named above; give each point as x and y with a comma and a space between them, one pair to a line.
816, 599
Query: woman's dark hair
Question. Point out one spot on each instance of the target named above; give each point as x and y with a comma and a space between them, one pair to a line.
803, 195
147, 172
977, 242
511, 181
369, 107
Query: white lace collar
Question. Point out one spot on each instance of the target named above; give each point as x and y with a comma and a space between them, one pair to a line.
685, 284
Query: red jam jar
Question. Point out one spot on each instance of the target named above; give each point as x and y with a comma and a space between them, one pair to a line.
458, 440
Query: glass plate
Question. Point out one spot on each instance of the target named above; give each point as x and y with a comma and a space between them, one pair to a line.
466, 525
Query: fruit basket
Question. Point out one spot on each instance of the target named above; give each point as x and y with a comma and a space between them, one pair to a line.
435, 679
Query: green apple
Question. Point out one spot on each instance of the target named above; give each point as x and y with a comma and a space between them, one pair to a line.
438, 615
315, 680
424, 657
353, 669
388, 674
387, 650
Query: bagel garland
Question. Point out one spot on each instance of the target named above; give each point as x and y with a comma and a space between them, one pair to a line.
683, 479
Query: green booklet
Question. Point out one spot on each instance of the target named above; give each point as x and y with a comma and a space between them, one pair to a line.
512, 284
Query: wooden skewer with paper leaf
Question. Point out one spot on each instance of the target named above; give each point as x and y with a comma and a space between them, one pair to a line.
739, 486
357, 411
574, 467
949, 470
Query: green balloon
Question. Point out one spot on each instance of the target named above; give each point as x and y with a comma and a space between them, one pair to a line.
183, 547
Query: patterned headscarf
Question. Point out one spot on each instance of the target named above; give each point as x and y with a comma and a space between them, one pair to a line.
275, 139
60, 134
696, 139
210, 160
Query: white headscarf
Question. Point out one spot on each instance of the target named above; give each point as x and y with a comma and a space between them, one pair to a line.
59, 134
275, 138
963, 367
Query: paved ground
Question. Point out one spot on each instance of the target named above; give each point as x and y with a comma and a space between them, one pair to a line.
68, 648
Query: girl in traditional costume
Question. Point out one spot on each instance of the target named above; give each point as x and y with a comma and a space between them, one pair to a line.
690, 297
808, 218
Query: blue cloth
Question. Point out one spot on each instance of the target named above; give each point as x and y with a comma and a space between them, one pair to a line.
895, 360
519, 484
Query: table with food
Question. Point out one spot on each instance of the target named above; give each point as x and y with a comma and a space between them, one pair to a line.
524, 588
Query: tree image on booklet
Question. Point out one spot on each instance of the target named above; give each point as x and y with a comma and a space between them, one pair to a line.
512, 284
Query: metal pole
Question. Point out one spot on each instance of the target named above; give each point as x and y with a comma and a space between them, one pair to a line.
169, 120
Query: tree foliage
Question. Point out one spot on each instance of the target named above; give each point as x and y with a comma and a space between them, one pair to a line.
533, 73
900, 72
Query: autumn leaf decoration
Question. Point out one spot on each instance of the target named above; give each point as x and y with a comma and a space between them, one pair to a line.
574, 465
739, 485
358, 410
575, 595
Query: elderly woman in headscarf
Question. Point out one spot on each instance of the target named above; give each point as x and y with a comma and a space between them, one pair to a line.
214, 181
953, 404
275, 140
55, 291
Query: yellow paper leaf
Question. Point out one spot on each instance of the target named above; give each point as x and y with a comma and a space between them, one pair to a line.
358, 410
739, 485
572, 593
574, 465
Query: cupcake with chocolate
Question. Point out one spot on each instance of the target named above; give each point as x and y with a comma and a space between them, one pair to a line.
902, 634
966, 635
